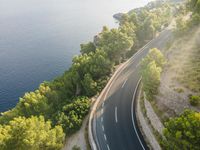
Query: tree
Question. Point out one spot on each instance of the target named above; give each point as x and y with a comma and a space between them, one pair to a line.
183, 132
95, 63
151, 67
154, 55
151, 79
115, 43
35, 103
181, 26
71, 115
32, 103
89, 85
30, 133
194, 5
129, 29
87, 48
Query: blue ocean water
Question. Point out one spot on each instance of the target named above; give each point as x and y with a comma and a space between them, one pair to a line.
38, 39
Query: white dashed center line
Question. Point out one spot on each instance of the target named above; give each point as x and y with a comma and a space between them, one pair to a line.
101, 119
103, 128
124, 83
108, 147
116, 115
105, 137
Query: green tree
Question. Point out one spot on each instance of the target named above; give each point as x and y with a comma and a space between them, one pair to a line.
151, 67
87, 48
89, 85
181, 26
151, 79
114, 43
33, 103
154, 55
71, 115
183, 132
30, 133
96, 64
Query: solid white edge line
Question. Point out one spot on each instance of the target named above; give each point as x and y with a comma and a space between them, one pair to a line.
124, 83
132, 113
116, 115
110, 82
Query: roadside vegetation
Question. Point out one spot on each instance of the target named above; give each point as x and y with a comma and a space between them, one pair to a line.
183, 132
151, 68
43, 118
182, 129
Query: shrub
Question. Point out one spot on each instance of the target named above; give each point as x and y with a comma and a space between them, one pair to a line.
194, 100
182, 133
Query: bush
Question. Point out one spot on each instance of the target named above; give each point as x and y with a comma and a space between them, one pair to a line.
71, 116
151, 68
75, 147
194, 100
183, 132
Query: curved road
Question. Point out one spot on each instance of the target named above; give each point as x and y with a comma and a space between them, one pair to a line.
113, 125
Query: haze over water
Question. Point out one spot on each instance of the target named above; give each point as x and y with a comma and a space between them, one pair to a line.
38, 39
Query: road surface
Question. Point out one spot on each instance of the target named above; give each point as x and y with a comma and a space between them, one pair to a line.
113, 124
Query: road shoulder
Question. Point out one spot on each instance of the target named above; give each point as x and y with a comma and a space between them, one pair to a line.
144, 122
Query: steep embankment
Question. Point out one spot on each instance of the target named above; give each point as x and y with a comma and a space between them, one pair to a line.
181, 76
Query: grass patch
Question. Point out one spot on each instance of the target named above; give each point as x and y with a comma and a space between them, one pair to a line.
179, 90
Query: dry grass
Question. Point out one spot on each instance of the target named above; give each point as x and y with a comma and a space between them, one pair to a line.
181, 76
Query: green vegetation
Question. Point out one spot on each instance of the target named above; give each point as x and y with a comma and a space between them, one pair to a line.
191, 72
151, 67
72, 114
183, 132
184, 25
64, 102
30, 133
147, 22
75, 147
194, 100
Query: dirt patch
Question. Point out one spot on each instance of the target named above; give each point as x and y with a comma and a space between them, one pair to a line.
77, 139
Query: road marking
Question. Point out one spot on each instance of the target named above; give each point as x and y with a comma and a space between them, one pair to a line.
103, 104
102, 128
101, 111
105, 137
108, 147
101, 119
116, 115
107, 88
124, 83
134, 94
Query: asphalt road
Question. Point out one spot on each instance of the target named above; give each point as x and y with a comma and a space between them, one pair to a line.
112, 125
